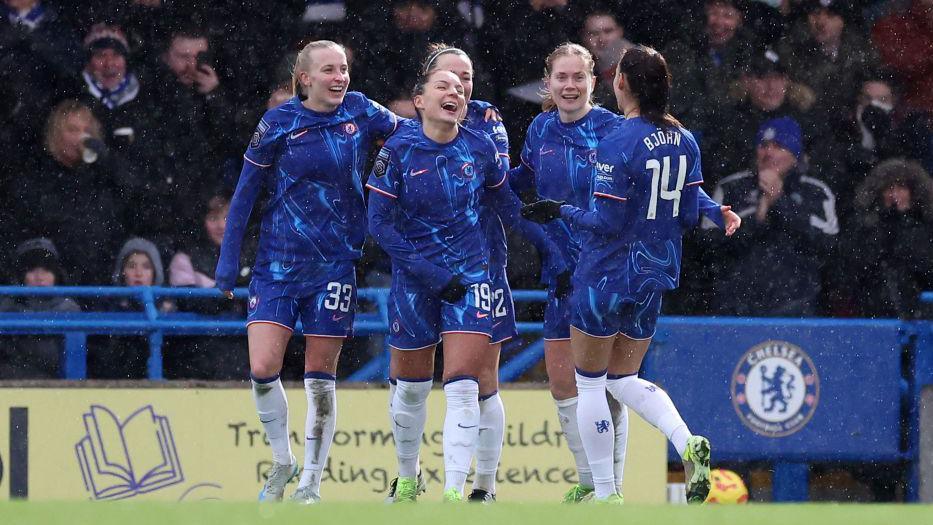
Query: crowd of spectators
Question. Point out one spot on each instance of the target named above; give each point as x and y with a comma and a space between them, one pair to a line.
124, 123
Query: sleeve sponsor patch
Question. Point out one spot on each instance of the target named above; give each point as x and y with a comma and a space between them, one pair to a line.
382, 162
260, 132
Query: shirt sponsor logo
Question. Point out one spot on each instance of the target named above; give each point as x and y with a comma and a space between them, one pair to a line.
605, 168
775, 388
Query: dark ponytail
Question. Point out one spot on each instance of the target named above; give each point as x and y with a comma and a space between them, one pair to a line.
649, 80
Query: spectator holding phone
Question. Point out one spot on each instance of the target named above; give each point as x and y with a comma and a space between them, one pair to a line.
191, 107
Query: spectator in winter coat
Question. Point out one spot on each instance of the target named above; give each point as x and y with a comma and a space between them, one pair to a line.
888, 251
704, 65
193, 266
68, 194
766, 92
138, 263
34, 357
39, 56
771, 267
193, 140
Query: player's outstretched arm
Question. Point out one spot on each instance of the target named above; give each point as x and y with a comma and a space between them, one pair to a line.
241, 205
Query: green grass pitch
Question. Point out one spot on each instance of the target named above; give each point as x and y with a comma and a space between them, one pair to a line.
432, 513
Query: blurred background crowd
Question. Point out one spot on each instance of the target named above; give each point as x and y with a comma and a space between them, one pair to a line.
124, 123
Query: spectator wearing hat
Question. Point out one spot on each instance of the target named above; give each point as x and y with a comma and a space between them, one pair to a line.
704, 65
28, 357
114, 94
764, 92
831, 57
69, 195
771, 267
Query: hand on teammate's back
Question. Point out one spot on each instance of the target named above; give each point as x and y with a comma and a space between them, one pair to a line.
542, 211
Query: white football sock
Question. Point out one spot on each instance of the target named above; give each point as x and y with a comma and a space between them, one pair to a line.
567, 415
620, 422
596, 430
461, 429
320, 388
409, 411
653, 404
489, 442
272, 407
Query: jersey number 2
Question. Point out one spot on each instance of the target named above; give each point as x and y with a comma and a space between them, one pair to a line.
661, 179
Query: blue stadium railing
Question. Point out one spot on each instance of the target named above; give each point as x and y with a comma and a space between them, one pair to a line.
857, 423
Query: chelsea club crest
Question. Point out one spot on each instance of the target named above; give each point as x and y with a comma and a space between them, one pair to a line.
775, 388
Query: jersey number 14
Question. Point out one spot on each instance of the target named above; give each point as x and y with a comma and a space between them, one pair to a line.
661, 180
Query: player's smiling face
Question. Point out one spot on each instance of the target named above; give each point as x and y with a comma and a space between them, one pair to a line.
443, 99
570, 84
327, 79
458, 65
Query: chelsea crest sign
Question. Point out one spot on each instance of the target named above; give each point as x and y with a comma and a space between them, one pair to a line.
775, 388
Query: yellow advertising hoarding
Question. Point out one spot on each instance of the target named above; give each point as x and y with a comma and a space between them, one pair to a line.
182, 444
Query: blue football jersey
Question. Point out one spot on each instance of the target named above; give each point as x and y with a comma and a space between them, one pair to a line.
315, 211
562, 158
646, 194
491, 223
437, 190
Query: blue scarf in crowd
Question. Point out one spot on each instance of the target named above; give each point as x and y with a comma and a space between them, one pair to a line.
125, 92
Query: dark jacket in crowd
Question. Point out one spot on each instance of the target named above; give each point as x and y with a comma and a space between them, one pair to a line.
772, 268
38, 61
34, 357
79, 209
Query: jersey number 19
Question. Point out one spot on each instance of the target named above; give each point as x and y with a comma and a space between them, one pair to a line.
661, 179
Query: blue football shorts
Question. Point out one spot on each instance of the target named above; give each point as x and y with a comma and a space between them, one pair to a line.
324, 300
418, 317
503, 309
599, 313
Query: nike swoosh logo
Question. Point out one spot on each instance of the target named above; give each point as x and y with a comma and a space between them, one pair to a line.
399, 425
264, 422
481, 315
416, 173
337, 318
461, 426
546, 151
309, 438
297, 134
